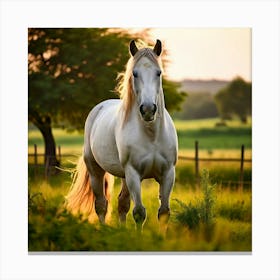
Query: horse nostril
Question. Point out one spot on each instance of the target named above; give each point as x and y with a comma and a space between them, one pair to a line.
154, 108
142, 109
148, 109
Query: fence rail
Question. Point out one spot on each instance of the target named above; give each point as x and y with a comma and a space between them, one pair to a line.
214, 159
196, 160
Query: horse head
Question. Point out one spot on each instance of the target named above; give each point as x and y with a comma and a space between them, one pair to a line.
146, 79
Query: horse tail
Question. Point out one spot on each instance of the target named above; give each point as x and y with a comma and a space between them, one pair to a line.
108, 185
80, 199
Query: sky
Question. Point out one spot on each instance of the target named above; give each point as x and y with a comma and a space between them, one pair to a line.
206, 53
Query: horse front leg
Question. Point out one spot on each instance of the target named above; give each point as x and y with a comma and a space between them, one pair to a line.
166, 185
133, 183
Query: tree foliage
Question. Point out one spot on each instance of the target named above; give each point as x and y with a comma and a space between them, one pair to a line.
173, 97
199, 105
70, 70
235, 99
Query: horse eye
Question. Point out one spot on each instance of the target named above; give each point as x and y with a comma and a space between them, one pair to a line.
135, 74
158, 73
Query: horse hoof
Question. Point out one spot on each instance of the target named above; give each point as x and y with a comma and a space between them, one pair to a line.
139, 214
163, 213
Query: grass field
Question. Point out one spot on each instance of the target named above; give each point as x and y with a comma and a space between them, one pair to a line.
212, 139
51, 228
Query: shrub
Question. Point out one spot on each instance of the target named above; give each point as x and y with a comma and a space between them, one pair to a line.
201, 213
189, 216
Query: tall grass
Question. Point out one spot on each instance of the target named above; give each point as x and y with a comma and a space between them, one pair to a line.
201, 214
225, 175
51, 228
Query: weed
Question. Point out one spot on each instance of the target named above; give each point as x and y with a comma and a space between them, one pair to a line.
209, 198
203, 212
190, 215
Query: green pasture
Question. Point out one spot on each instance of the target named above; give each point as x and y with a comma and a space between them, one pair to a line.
214, 142
211, 138
51, 228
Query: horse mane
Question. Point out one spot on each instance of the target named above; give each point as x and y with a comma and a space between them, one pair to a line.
124, 87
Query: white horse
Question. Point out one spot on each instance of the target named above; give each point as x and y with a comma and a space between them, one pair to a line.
133, 138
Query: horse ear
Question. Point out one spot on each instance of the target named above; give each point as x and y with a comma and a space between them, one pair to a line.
157, 48
133, 48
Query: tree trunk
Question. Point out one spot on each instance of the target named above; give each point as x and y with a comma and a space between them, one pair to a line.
50, 147
243, 119
44, 125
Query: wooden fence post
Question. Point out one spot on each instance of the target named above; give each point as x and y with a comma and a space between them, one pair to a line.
241, 178
47, 167
59, 154
196, 164
35, 159
35, 155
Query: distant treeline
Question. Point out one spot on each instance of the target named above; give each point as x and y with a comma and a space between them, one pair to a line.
198, 105
213, 98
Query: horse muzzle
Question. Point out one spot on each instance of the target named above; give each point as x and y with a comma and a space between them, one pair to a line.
148, 111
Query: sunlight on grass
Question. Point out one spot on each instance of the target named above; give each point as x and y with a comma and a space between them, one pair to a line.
50, 228
208, 123
217, 153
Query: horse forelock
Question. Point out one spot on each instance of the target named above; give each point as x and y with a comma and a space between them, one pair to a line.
124, 87
149, 53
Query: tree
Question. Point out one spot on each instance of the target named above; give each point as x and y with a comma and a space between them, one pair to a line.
235, 99
173, 97
199, 105
70, 71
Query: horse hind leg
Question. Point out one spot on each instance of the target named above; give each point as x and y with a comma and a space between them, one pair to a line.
96, 176
101, 203
123, 202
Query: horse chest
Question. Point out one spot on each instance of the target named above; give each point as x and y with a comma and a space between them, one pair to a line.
149, 161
